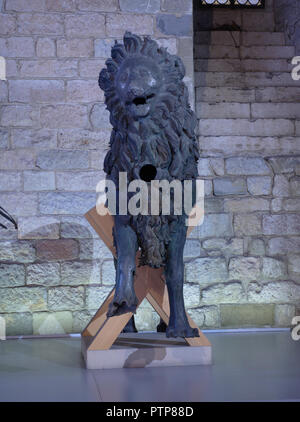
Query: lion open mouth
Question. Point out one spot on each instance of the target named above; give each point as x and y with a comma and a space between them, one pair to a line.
141, 105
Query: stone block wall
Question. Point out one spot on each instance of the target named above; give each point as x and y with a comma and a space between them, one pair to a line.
54, 133
242, 264
247, 269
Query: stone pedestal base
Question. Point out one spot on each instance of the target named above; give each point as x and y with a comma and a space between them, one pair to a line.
140, 350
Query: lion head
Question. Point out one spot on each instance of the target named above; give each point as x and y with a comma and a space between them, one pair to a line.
137, 76
153, 125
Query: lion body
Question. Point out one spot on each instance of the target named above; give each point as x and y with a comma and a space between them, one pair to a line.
160, 132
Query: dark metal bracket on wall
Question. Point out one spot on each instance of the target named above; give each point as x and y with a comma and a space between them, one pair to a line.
7, 216
231, 4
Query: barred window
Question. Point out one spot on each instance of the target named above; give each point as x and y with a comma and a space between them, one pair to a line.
233, 3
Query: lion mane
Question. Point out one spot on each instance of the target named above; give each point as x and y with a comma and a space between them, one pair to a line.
165, 138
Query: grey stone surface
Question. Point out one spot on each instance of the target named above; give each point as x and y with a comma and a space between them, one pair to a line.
191, 249
19, 115
100, 117
4, 138
33, 138
241, 165
98, 6
191, 294
283, 315
284, 164
257, 247
206, 271
108, 273
66, 203
274, 292
19, 204
140, 6
295, 186
247, 315
23, 299
12, 275
213, 205
39, 180
215, 225
14, 251
223, 293
46, 274
273, 269
64, 116
80, 273
65, 298
10, 181
229, 186
76, 227
294, 266
283, 245
38, 91
173, 25
247, 224
146, 320
38, 228
45, 323
95, 296
18, 323
81, 319
244, 269
284, 224
204, 167
66, 160
281, 186
79, 181
227, 247
103, 47
117, 24
85, 140
93, 249
177, 6
246, 205
259, 185
206, 316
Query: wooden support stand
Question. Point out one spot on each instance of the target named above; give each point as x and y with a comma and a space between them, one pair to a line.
101, 332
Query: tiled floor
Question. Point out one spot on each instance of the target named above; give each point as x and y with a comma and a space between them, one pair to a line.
246, 366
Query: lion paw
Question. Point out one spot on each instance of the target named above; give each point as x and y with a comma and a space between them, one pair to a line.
122, 306
182, 331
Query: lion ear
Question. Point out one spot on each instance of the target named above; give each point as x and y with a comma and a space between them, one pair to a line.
132, 42
104, 80
118, 53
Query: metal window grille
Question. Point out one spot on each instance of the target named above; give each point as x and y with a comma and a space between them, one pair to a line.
250, 4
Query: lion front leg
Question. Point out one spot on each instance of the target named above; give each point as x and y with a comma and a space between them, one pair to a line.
174, 272
126, 244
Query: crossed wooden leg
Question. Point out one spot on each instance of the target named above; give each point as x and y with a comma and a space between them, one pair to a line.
149, 283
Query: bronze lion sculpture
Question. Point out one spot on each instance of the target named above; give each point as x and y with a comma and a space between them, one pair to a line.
153, 137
